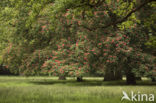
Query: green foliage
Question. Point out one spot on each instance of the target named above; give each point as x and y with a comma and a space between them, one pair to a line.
73, 37
32, 64
13, 57
152, 42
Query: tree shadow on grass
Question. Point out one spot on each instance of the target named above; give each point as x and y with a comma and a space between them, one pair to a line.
91, 83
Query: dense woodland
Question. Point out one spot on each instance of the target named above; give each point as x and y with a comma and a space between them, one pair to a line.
77, 38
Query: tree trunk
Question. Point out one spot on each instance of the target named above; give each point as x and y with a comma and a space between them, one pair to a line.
79, 79
109, 75
153, 80
138, 78
62, 78
130, 78
118, 74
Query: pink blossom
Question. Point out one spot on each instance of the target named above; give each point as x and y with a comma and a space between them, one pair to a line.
106, 45
79, 22
76, 43
66, 14
112, 41
100, 44
43, 27
67, 21
114, 56
117, 39
85, 58
105, 54
95, 13
70, 73
134, 25
124, 35
44, 65
105, 12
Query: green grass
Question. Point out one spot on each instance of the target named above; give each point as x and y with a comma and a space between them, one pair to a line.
51, 90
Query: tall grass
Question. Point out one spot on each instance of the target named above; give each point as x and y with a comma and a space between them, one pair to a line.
50, 90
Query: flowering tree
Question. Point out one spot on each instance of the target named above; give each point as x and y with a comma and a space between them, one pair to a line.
119, 46
81, 36
69, 59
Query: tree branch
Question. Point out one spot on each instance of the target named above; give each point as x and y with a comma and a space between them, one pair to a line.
124, 18
87, 3
99, 2
129, 14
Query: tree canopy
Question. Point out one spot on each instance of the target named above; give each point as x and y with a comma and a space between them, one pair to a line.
76, 38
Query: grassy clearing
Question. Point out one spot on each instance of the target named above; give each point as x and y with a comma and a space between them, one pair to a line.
50, 90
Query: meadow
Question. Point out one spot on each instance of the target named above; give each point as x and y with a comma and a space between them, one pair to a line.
14, 89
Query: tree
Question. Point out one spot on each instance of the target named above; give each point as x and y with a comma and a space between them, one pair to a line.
81, 37
101, 21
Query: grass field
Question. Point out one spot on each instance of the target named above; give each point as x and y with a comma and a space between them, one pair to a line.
51, 90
